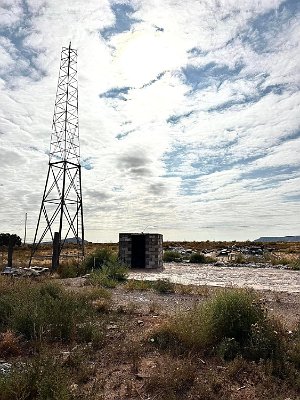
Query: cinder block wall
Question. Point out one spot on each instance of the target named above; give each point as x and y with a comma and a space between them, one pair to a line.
153, 249
125, 247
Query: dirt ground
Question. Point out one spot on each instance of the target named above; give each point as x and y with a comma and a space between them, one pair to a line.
284, 305
128, 365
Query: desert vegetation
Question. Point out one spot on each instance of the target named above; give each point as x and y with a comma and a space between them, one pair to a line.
105, 336
71, 339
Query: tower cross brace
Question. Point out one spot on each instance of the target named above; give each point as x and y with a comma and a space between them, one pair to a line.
61, 211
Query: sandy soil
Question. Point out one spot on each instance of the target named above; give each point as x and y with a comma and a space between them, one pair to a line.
283, 304
279, 280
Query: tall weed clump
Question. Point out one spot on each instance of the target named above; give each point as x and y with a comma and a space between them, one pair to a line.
42, 378
43, 312
110, 274
99, 258
198, 258
295, 264
172, 255
231, 324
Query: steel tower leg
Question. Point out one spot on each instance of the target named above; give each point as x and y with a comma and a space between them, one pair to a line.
61, 210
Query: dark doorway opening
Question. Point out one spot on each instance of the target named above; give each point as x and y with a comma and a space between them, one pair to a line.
138, 251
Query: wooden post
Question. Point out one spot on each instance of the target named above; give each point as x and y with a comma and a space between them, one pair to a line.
10, 251
55, 252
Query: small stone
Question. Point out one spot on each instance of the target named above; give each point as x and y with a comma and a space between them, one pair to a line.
112, 326
65, 355
141, 376
140, 322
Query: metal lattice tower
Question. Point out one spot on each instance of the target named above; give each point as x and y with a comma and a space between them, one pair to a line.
61, 212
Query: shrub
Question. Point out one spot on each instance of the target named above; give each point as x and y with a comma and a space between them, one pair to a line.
43, 312
43, 378
163, 286
240, 259
115, 270
99, 258
232, 314
71, 269
134, 284
172, 380
294, 348
230, 324
295, 265
99, 278
170, 255
91, 333
110, 273
9, 344
197, 258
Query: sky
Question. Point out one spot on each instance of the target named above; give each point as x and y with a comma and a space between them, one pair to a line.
188, 111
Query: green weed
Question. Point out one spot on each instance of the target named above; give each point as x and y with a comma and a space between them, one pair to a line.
133, 284
163, 286
99, 258
42, 378
170, 255
45, 311
230, 324
197, 258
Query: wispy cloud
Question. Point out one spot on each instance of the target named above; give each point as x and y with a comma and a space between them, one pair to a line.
189, 113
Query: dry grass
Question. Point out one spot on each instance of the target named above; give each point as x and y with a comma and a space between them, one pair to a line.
10, 344
110, 354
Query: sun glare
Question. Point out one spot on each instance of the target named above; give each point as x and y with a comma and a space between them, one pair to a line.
141, 55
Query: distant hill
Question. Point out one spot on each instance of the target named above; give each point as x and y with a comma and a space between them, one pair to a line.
278, 239
69, 240
73, 240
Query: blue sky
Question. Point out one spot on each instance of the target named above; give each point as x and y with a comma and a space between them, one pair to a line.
189, 114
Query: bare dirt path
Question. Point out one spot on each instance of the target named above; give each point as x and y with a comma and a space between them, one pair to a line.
277, 280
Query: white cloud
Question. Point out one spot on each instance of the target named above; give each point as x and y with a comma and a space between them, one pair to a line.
135, 180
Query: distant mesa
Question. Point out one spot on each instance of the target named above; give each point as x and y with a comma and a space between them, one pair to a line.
278, 239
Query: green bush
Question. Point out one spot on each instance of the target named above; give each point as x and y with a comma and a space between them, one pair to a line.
43, 312
170, 255
115, 271
71, 269
295, 265
230, 324
134, 284
43, 378
91, 333
99, 258
98, 278
110, 273
232, 314
163, 286
197, 258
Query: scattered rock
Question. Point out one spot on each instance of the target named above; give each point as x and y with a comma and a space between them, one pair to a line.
112, 326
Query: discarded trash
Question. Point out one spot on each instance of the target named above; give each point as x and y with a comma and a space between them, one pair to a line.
33, 271
5, 368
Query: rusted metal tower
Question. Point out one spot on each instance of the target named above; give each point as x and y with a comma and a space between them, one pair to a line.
61, 212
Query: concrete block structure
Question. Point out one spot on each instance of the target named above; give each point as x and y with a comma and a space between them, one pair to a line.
141, 250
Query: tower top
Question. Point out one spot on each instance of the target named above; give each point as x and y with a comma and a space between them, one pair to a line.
65, 133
